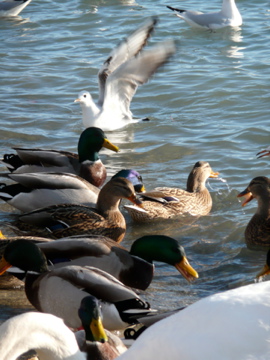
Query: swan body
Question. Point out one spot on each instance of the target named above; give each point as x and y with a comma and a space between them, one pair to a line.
234, 324
229, 15
124, 70
46, 333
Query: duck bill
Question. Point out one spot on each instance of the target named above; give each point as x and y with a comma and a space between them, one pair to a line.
4, 266
139, 188
247, 195
135, 200
186, 270
108, 145
98, 331
214, 174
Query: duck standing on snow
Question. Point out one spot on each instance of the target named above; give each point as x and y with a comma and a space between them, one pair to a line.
124, 70
229, 15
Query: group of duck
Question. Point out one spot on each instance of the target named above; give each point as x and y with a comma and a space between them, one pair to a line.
67, 244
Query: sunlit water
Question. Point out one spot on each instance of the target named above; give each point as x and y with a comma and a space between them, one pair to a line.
210, 102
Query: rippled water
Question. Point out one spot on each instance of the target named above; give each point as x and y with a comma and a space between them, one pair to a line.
210, 102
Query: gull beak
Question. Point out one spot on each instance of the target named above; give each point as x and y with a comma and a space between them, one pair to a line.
77, 100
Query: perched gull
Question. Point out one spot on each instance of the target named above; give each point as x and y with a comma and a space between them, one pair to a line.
229, 15
12, 7
124, 70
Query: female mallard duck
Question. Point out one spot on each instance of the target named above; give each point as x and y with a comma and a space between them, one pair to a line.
121, 74
37, 190
133, 268
60, 291
97, 343
168, 202
85, 164
69, 219
55, 341
236, 321
257, 232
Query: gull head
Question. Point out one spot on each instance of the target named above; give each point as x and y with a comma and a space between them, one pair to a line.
84, 98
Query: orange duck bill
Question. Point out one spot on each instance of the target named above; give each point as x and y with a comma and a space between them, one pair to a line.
247, 195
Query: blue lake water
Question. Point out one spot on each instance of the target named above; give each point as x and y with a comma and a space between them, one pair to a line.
210, 102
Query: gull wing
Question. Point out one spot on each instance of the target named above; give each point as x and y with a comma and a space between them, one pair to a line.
127, 49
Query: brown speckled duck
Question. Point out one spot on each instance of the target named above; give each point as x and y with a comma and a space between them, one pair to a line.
257, 232
166, 202
85, 164
70, 219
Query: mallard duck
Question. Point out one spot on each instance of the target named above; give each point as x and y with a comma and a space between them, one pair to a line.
98, 343
54, 342
134, 177
230, 325
133, 268
12, 7
229, 15
85, 164
37, 190
257, 232
70, 219
168, 202
60, 291
124, 70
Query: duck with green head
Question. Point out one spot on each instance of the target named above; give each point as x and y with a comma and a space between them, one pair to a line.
60, 291
85, 164
97, 343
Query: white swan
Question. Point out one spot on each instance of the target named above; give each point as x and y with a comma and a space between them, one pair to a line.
234, 324
121, 74
229, 15
12, 7
47, 334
